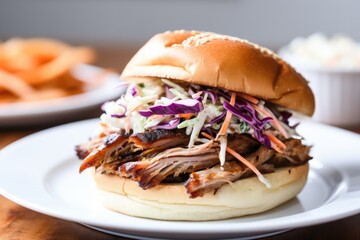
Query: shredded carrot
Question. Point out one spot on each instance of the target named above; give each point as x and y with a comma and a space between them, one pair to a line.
276, 144
276, 123
249, 98
186, 115
275, 140
228, 116
276, 148
232, 99
238, 156
208, 136
244, 161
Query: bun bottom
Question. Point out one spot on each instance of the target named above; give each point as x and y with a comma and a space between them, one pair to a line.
171, 202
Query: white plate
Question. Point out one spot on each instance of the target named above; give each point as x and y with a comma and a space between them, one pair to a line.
40, 172
55, 110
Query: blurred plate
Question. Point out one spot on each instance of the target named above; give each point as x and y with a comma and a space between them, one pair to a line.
53, 186
65, 108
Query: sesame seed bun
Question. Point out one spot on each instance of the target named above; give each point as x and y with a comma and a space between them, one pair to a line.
225, 62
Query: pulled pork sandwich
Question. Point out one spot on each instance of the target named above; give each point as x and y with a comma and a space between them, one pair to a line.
202, 132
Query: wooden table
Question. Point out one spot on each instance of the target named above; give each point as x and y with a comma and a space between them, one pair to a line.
17, 222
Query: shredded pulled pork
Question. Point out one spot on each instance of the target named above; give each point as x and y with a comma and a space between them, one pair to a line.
173, 162
159, 139
207, 180
161, 156
103, 152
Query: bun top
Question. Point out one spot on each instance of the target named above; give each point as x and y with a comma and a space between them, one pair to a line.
222, 61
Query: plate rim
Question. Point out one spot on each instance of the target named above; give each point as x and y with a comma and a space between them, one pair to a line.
68, 103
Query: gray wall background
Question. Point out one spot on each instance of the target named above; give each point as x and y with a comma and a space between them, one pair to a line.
272, 23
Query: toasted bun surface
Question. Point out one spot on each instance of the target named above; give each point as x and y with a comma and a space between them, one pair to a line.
171, 202
225, 62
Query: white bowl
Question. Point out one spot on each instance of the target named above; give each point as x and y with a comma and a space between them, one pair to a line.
337, 91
